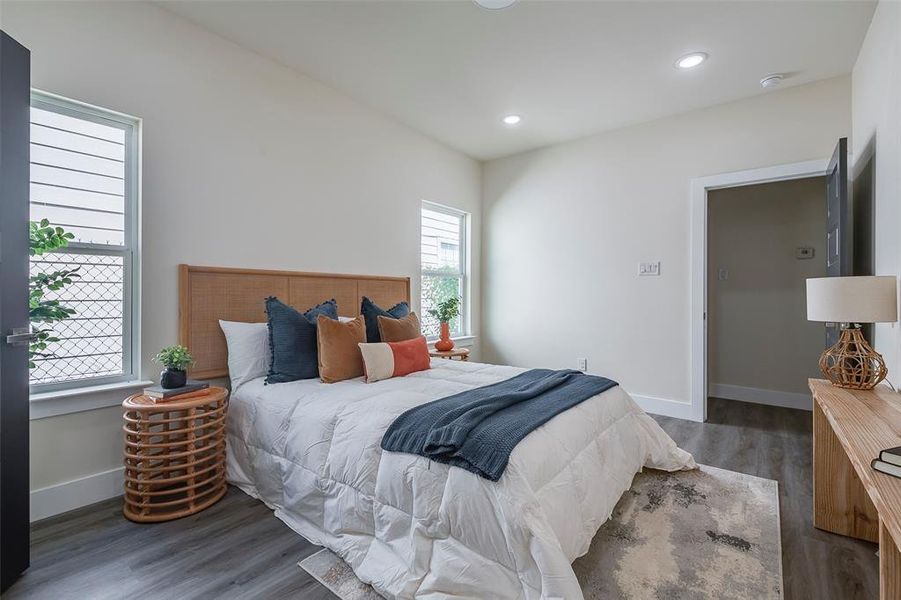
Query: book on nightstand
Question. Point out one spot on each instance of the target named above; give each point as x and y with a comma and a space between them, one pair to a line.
189, 390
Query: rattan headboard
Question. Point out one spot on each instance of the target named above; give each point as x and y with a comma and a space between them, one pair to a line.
208, 294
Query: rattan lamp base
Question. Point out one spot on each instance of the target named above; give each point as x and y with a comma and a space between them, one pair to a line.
852, 363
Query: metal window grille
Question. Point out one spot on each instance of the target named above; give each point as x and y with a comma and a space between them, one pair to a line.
443, 258
84, 163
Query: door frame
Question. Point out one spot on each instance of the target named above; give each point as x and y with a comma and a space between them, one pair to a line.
699, 188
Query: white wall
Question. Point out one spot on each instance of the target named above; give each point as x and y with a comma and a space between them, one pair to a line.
876, 150
757, 328
566, 226
246, 163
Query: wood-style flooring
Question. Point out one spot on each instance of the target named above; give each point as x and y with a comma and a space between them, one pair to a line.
237, 549
776, 443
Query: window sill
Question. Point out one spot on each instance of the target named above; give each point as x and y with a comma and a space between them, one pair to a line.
64, 402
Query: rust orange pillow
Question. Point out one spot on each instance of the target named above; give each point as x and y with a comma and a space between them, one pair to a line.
385, 360
339, 350
399, 330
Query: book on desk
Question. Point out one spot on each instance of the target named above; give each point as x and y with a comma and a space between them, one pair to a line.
889, 462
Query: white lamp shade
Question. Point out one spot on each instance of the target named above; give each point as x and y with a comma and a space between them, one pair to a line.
852, 299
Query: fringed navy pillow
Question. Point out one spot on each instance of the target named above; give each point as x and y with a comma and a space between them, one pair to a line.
371, 312
292, 340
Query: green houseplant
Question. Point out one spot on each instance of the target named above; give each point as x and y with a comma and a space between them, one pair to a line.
176, 359
446, 311
44, 238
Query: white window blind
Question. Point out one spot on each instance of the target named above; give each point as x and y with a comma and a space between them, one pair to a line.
84, 179
443, 257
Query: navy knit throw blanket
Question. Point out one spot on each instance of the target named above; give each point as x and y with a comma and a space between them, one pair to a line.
477, 429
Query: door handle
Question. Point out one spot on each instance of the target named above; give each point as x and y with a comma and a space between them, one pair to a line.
20, 336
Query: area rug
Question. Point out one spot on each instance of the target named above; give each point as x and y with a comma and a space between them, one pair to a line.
709, 533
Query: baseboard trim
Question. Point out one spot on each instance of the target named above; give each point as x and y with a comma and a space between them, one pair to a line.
69, 495
761, 396
665, 407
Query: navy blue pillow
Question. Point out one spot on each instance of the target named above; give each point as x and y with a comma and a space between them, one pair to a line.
371, 312
292, 340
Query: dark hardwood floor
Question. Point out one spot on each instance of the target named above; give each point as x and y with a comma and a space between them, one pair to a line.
237, 549
776, 443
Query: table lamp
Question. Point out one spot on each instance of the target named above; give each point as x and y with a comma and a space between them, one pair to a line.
852, 362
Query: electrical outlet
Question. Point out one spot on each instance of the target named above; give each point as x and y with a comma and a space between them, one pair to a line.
583, 364
649, 269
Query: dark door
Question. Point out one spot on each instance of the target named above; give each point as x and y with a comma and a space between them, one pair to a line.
838, 224
15, 92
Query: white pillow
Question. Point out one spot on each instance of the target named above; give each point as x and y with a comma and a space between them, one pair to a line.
248, 351
345, 319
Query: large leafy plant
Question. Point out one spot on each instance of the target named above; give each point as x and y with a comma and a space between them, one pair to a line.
44, 238
446, 310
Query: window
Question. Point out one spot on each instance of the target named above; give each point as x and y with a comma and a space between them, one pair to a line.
450, 253
443, 256
84, 178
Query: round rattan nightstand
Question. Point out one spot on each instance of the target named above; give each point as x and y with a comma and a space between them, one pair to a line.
456, 353
174, 455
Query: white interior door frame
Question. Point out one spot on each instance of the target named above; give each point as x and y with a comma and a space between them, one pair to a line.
699, 188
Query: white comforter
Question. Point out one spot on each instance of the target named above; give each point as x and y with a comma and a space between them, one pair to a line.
415, 528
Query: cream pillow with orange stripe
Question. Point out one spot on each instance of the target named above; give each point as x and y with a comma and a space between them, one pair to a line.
385, 360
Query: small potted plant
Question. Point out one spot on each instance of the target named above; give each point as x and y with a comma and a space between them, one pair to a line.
446, 311
176, 359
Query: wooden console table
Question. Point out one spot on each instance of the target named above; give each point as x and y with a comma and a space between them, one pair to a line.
850, 498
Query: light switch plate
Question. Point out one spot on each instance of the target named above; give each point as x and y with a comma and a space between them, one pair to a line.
649, 269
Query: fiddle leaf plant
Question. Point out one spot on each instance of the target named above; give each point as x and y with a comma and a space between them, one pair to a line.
176, 358
44, 238
446, 310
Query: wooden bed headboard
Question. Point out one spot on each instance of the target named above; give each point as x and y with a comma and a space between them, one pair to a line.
208, 294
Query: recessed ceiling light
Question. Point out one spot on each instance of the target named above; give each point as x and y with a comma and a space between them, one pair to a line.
690, 61
494, 4
512, 120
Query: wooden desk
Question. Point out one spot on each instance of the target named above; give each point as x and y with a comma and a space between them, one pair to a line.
850, 427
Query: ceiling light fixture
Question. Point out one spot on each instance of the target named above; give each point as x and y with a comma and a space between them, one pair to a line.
772, 80
690, 61
512, 120
494, 4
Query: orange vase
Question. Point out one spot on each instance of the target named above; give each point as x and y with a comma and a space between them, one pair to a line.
445, 343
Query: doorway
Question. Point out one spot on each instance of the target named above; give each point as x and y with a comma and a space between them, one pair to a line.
763, 242
700, 189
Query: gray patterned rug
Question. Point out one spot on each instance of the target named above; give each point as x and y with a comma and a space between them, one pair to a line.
689, 535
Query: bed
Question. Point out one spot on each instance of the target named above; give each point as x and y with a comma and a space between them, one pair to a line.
409, 526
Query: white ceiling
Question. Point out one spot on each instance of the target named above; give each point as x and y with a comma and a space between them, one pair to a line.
452, 70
